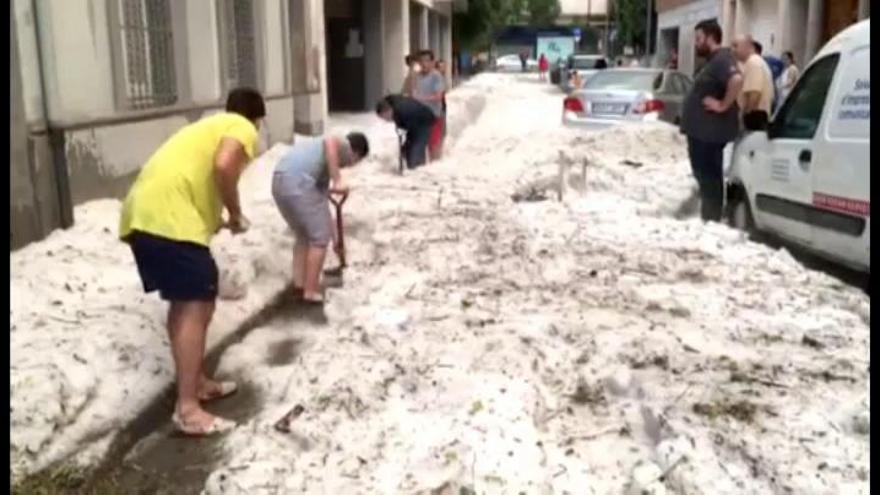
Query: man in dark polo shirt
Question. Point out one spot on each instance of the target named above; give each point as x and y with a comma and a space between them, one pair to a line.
710, 117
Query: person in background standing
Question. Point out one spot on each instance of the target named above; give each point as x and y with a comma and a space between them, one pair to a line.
577, 82
430, 88
441, 68
756, 99
710, 117
673, 60
524, 60
776, 67
789, 76
543, 67
412, 70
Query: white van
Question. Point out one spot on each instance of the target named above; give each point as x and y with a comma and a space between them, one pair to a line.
807, 179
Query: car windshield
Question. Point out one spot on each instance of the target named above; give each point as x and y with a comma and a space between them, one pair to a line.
622, 79
584, 63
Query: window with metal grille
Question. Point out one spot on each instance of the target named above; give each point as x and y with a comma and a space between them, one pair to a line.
147, 53
239, 43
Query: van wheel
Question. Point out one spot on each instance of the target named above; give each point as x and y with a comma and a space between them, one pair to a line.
739, 213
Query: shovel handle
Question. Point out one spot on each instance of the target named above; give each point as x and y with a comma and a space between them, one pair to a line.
338, 199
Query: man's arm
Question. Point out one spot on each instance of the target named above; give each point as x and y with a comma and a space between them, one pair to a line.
331, 153
751, 100
229, 163
734, 87
407, 84
791, 77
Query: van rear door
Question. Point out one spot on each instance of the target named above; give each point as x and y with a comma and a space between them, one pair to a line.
785, 196
842, 171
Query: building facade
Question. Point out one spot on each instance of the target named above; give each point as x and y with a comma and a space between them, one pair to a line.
97, 85
676, 20
799, 26
593, 13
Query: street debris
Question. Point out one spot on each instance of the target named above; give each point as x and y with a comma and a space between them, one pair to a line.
284, 424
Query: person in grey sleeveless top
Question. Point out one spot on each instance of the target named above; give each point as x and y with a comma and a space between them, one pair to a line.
301, 184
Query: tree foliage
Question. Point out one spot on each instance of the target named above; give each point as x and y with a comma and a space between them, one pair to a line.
484, 19
631, 18
542, 13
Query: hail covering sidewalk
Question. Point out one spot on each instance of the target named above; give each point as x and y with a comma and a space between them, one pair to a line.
89, 349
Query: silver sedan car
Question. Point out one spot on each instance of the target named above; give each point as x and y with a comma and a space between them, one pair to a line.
623, 95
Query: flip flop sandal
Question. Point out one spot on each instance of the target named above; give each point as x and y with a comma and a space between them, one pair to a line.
314, 311
333, 272
226, 389
218, 426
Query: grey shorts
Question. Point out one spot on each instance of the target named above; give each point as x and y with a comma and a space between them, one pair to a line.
304, 207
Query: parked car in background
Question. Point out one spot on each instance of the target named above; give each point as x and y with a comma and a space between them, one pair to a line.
511, 63
807, 178
582, 65
616, 96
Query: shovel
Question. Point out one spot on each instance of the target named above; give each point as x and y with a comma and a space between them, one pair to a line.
340, 241
401, 136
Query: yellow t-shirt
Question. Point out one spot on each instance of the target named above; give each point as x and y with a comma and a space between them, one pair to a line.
175, 195
757, 77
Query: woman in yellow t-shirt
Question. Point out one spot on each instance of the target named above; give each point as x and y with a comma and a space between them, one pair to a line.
168, 218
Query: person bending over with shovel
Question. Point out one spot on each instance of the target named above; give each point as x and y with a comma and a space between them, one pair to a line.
169, 216
415, 119
303, 180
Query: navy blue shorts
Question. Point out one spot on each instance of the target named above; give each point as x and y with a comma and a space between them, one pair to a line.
180, 271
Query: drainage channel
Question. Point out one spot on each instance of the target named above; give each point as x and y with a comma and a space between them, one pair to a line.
149, 458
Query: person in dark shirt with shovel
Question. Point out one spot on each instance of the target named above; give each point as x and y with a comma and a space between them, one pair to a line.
415, 119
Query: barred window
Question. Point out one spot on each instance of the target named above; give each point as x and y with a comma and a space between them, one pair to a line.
239, 43
147, 53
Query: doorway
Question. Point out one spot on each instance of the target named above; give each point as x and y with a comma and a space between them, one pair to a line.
346, 70
668, 48
839, 14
